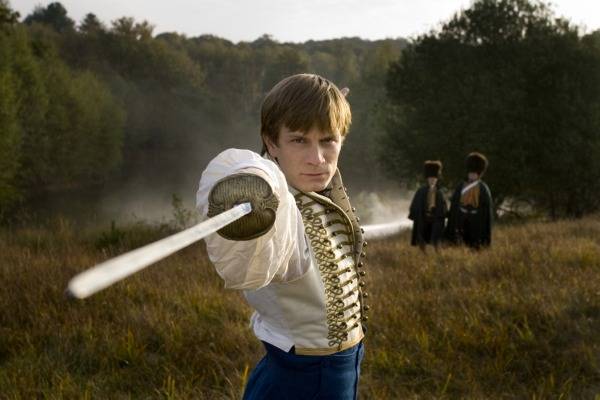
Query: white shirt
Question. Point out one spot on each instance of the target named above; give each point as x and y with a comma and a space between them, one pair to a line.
280, 274
281, 254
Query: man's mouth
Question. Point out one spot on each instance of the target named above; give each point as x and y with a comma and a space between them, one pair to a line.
314, 175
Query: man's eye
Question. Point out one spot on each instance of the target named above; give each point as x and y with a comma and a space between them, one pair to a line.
298, 140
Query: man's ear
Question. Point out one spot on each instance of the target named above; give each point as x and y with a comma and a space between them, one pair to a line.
345, 91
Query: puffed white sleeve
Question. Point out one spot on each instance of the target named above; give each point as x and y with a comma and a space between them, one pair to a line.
251, 264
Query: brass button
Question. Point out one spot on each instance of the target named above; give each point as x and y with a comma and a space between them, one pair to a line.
353, 208
361, 264
363, 254
366, 307
365, 243
362, 273
361, 284
365, 295
365, 318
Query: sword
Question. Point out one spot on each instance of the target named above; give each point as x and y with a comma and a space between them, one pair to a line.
111, 271
380, 231
105, 274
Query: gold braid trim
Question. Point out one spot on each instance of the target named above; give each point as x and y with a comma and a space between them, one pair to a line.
338, 323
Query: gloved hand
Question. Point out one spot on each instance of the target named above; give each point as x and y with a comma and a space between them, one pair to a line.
241, 188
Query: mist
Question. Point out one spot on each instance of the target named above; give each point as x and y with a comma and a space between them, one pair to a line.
171, 104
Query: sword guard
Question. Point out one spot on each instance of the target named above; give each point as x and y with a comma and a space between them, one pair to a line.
241, 188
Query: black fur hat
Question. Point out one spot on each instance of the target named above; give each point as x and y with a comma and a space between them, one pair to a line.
433, 169
476, 162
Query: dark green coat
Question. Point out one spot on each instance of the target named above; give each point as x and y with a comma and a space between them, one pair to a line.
427, 230
473, 229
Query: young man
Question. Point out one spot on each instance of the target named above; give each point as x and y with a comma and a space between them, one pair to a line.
471, 209
428, 209
299, 256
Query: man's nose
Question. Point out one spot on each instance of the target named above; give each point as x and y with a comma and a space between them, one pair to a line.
315, 155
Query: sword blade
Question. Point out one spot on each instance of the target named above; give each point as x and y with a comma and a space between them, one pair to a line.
380, 231
105, 274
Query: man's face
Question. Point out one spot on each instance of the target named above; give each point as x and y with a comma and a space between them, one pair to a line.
308, 160
472, 176
432, 180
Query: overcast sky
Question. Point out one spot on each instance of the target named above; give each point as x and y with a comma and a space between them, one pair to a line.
295, 20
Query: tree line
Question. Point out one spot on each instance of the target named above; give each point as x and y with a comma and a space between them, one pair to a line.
88, 103
509, 79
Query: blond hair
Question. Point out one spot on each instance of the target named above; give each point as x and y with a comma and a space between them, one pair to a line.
302, 102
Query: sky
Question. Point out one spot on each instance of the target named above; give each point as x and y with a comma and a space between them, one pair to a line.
295, 20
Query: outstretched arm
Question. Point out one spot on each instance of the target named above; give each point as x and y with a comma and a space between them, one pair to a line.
256, 252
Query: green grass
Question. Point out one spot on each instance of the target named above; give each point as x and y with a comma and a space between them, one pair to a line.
521, 320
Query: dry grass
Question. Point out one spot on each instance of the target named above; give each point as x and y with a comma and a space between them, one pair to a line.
520, 320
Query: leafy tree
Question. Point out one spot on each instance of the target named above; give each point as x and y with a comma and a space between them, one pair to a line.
287, 61
10, 135
506, 78
53, 15
71, 141
8, 17
91, 25
126, 26
563, 90
233, 76
22, 110
84, 99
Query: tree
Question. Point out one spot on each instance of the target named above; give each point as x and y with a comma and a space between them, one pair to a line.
83, 99
54, 15
501, 73
22, 112
91, 25
126, 26
287, 61
10, 138
8, 17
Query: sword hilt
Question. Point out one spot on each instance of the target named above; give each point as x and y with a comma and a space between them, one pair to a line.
242, 188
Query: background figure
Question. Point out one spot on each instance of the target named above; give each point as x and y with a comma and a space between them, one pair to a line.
428, 209
470, 218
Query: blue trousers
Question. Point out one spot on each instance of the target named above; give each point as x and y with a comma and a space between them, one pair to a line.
288, 376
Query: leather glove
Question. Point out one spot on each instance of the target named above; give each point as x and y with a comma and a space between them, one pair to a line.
241, 188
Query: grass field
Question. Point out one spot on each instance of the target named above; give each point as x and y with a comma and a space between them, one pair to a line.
518, 321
